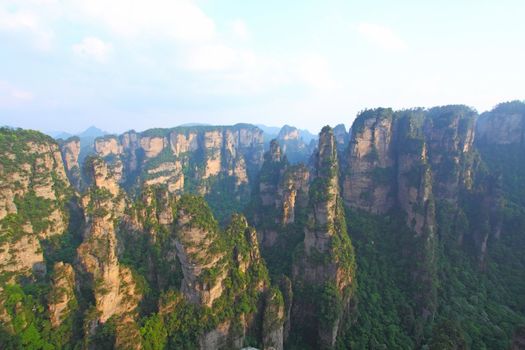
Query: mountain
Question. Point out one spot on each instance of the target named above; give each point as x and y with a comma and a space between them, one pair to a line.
91, 132
59, 134
293, 145
271, 131
404, 231
307, 136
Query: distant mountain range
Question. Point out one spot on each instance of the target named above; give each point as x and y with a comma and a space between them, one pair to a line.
272, 132
91, 132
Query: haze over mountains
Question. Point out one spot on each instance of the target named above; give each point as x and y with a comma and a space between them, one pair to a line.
406, 231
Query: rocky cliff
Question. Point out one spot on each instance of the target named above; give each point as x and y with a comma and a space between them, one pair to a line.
114, 287
216, 276
409, 158
282, 195
504, 125
342, 137
293, 145
216, 162
167, 155
324, 262
34, 191
34, 218
62, 298
70, 149
367, 183
409, 162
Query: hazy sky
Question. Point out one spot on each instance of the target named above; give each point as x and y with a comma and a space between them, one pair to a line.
122, 64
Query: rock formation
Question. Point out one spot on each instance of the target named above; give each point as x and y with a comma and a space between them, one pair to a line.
62, 299
114, 287
160, 155
382, 141
282, 193
33, 196
504, 125
197, 241
325, 260
70, 149
293, 145
370, 165
342, 137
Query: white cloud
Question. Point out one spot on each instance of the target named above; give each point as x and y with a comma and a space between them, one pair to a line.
179, 19
173, 37
211, 57
239, 29
26, 23
381, 36
93, 48
314, 70
11, 96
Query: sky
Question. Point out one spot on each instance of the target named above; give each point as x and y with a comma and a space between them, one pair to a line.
138, 64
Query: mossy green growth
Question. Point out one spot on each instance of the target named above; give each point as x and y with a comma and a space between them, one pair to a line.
376, 114
16, 142
200, 214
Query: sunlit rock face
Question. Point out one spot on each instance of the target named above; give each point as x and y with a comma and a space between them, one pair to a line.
34, 192
114, 288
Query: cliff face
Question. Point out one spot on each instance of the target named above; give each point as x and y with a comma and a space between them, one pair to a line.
504, 125
408, 158
282, 194
449, 133
34, 213
342, 137
409, 162
33, 195
222, 271
214, 276
499, 141
293, 145
325, 260
70, 154
217, 161
203, 262
160, 155
62, 299
114, 288
367, 183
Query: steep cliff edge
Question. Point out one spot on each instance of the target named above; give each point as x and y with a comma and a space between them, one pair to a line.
114, 288
367, 183
293, 145
407, 163
223, 290
324, 266
215, 161
70, 150
34, 220
499, 139
342, 138
387, 146
34, 191
281, 195
223, 271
